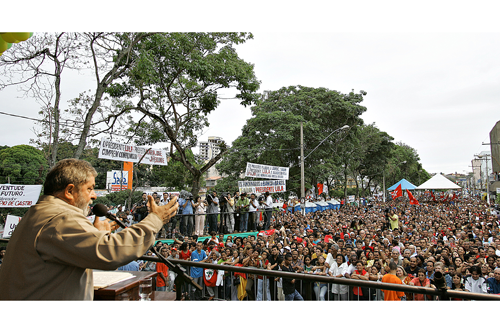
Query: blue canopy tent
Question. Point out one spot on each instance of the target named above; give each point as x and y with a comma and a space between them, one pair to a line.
405, 185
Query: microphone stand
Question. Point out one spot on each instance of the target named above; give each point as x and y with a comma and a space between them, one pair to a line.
181, 278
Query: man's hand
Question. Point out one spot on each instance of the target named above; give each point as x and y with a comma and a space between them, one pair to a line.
105, 225
166, 212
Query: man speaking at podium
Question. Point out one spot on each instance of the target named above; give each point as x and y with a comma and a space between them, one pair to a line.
54, 247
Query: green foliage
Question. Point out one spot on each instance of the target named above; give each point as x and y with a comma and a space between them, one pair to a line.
118, 198
24, 165
272, 135
177, 77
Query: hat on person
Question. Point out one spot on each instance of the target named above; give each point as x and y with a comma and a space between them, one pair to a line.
287, 248
174, 249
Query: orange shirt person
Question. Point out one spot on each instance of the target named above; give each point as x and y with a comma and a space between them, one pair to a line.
392, 295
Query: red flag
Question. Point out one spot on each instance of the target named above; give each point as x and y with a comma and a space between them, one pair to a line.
320, 188
454, 197
398, 192
413, 201
266, 232
433, 197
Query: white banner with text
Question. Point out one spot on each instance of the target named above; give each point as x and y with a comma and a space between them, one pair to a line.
129, 153
11, 223
266, 171
263, 186
19, 195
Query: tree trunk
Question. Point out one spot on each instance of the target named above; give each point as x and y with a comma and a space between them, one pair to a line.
55, 143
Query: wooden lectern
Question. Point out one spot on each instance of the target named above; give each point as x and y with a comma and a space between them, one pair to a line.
127, 290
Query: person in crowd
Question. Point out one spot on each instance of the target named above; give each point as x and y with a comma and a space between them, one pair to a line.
391, 277
199, 220
494, 282
141, 208
360, 274
475, 282
242, 207
212, 212
420, 281
230, 207
162, 270
289, 289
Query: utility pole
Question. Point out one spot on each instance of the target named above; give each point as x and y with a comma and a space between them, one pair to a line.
383, 182
302, 185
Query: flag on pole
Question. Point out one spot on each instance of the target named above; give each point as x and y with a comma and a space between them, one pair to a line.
413, 201
398, 192
320, 188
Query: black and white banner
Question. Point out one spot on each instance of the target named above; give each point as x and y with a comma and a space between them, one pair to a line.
266, 171
129, 153
263, 186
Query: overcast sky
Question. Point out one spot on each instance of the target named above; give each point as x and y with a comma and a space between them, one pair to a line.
437, 91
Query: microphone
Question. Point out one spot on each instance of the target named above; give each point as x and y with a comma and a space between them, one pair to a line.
101, 210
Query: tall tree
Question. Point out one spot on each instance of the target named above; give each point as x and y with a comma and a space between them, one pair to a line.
272, 135
176, 78
37, 65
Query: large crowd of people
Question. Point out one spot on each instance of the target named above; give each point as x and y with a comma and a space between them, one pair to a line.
393, 242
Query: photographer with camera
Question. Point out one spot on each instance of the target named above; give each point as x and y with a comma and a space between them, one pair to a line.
212, 211
187, 211
242, 210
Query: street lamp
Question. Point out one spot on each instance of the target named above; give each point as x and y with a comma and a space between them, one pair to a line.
487, 176
302, 158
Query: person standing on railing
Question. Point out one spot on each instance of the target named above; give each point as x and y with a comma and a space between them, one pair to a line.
230, 213
268, 209
252, 220
199, 220
242, 209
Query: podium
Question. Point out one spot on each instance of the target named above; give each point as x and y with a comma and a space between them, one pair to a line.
127, 290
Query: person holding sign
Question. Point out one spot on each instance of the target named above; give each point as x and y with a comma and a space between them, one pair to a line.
54, 247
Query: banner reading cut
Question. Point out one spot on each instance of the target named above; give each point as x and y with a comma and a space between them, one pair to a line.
19, 195
129, 153
262, 186
266, 171
11, 223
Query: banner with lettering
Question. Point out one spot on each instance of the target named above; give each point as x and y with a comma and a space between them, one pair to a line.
11, 223
19, 195
257, 187
129, 153
266, 171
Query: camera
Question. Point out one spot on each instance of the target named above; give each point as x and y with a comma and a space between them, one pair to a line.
261, 199
222, 198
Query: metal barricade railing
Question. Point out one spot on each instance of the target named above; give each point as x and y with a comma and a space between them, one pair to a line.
311, 286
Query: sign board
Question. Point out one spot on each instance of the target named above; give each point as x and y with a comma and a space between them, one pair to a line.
263, 186
113, 180
266, 171
11, 223
351, 198
498, 190
129, 153
19, 195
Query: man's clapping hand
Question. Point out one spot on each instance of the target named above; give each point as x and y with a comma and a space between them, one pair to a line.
166, 212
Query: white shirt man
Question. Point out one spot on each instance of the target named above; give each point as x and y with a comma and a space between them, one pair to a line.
255, 203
